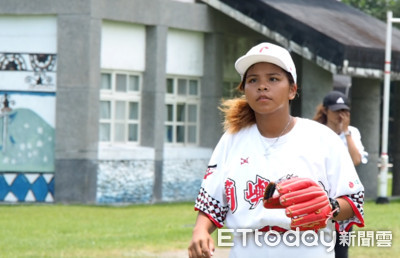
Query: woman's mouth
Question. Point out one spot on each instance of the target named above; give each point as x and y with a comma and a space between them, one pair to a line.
263, 97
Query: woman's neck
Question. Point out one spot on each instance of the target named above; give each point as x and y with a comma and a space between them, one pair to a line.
274, 127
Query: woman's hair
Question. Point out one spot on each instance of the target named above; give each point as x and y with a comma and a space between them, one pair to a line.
238, 113
320, 114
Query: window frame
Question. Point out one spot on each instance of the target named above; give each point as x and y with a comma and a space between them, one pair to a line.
113, 96
176, 99
229, 90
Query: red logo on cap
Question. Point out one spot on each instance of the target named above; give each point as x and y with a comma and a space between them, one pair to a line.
261, 49
351, 184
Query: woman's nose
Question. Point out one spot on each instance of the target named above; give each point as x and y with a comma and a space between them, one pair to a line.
262, 87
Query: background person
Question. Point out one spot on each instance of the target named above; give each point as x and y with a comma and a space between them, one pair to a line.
263, 144
334, 112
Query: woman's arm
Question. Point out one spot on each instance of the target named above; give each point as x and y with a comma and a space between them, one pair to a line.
202, 244
354, 152
346, 211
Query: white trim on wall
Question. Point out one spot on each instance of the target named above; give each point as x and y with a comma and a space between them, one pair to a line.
28, 33
123, 46
185, 52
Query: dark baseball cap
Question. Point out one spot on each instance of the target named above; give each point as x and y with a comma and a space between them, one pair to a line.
335, 100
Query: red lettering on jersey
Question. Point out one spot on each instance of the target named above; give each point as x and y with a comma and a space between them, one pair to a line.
210, 170
230, 191
207, 174
255, 191
244, 161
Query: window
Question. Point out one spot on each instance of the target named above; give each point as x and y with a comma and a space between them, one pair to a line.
182, 110
229, 90
119, 107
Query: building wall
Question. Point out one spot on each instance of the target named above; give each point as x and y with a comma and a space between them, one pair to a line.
77, 108
169, 39
91, 37
183, 54
314, 84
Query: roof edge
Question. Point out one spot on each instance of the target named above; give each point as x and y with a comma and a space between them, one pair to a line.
296, 48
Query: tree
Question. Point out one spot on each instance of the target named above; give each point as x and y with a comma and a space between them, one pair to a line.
376, 8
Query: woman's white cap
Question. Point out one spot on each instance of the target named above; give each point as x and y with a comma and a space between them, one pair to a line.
266, 52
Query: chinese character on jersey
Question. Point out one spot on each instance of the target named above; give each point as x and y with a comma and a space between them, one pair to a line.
255, 191
230, 192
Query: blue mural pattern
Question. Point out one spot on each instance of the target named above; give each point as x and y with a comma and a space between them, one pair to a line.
27, 187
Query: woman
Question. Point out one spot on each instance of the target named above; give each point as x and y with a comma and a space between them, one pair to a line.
262, 144
334, 112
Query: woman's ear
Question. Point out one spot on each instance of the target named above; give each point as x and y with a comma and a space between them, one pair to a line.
292, 91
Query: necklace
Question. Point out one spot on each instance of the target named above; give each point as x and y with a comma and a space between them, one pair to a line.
267, 148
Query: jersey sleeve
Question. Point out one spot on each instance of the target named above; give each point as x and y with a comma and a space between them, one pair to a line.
356, 136
345, 183
211, 198
356, 201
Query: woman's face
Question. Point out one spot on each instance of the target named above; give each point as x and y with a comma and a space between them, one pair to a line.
267, 88
336, 117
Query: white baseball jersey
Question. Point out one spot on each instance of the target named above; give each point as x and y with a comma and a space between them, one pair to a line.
356, 136
243, 164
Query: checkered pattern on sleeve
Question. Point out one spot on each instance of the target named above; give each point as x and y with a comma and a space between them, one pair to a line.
358, 201
212, 207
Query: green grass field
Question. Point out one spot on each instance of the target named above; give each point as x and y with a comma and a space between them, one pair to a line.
109, 231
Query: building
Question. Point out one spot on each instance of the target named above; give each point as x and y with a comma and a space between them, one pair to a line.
117, 101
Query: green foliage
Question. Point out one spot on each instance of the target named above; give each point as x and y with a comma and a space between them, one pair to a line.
376, 8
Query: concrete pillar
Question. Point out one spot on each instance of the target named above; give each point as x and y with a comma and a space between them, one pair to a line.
153, 101
77, 105
211, 91
365, 115
314, 84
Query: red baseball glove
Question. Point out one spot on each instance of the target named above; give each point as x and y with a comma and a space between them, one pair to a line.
306, 202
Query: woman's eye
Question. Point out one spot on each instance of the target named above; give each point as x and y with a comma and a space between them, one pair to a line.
251, 80
273, 79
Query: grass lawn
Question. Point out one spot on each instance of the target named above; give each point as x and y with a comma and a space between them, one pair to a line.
380, 217
93, 231
109, 231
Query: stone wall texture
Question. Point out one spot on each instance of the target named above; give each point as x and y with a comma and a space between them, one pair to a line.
132, 181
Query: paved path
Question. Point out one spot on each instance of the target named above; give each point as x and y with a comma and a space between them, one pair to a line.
219, 253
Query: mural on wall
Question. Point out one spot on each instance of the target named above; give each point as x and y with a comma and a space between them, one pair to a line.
26, 139
27, 126
27, 104
28, 70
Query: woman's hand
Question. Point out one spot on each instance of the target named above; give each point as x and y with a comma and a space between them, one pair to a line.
202, 244
345, 120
